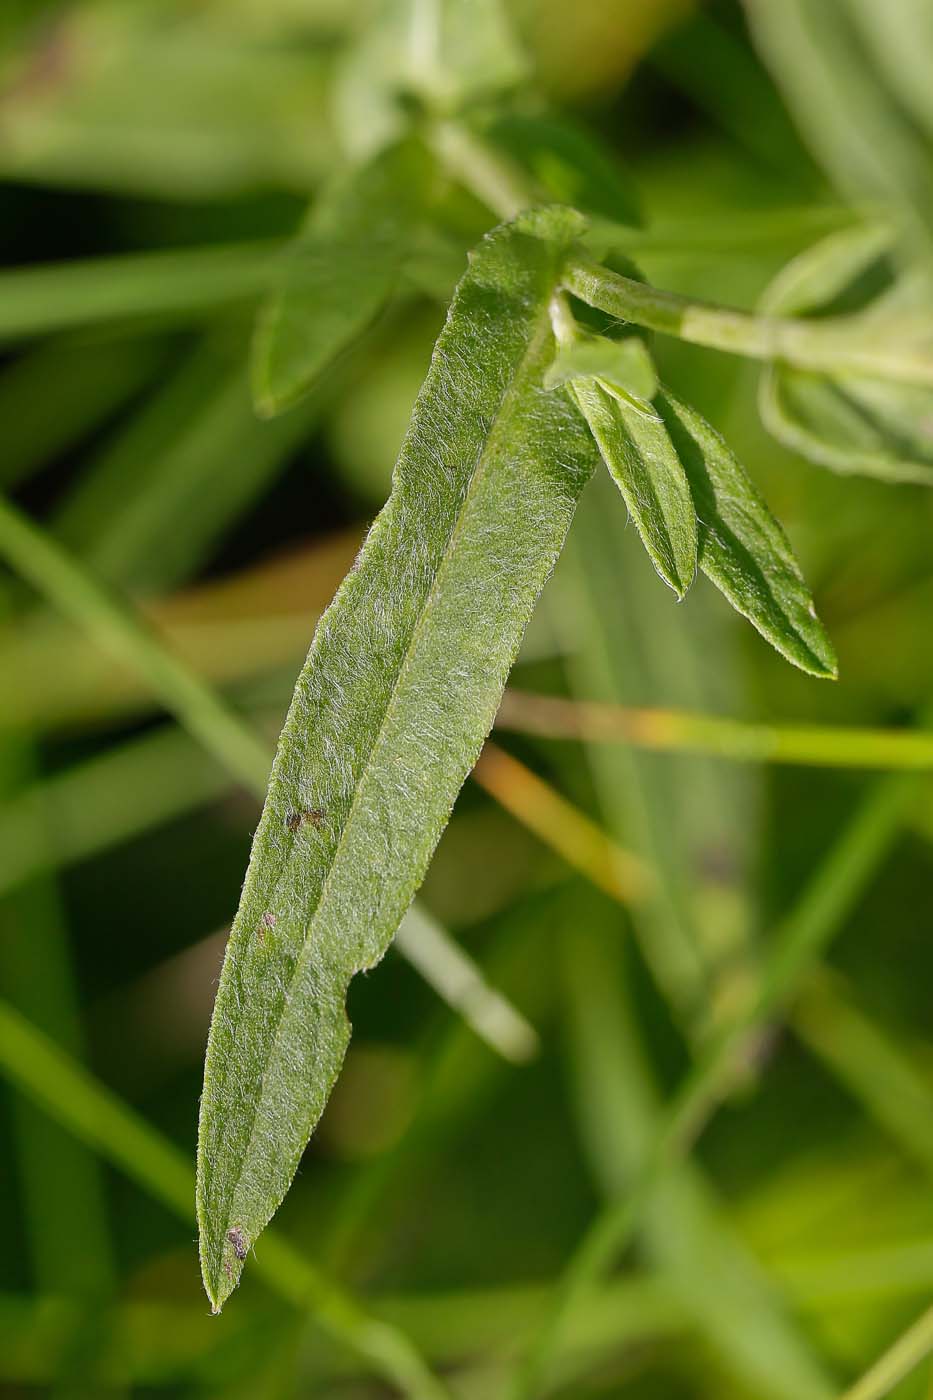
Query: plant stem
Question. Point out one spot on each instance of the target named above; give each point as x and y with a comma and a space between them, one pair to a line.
834, 345
825, 746
912, 1347
867, 1062
66, 584
494, 179
560, 825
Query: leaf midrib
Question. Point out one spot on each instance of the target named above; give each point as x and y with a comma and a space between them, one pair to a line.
492, 439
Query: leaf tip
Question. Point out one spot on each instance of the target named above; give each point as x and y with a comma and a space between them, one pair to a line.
221, 1267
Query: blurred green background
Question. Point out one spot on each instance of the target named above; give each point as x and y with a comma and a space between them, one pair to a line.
450, 1180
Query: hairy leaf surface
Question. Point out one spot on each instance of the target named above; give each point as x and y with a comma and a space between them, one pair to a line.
339, 273
743, 549
397, 695
644, 465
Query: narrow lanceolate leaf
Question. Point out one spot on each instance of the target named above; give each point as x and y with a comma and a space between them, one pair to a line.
400, 688
644, 465
742, 548
339, 273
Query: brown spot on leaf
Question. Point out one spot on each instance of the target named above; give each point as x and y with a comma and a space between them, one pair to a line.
310, 817
267, 921
238, 1240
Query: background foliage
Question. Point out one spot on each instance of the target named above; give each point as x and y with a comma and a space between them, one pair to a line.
635, 908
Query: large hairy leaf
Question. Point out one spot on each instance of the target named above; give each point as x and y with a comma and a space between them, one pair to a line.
399, 690
743, 549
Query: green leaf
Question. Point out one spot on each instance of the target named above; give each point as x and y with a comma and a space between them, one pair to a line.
826, 71
569, 163
743, 549
444, 54
848, 267
339, 273
854, 423
620, 364
398, 693
642, 462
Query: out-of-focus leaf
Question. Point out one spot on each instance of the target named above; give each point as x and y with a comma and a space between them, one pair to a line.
847, 422
398, 693
851, 425
685, 1230
840, 273
644, 465
92, 384
444, 53
851, 117
176, 285
155, 504
569, 163
339, 273
899, 35
164, 101
742, 548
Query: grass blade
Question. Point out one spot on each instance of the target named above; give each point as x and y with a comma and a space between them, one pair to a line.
743, 549
910, 1349
399, 691
97, 1117
150, 530
181, 285
456, 977
79, 595
61, 1188
686, 1232
563, 827
719, 736
827, 899
92, 384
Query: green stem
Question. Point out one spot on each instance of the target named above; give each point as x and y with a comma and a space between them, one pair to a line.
824, 746
907, 1353
66, 584
494, 179
834, 345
